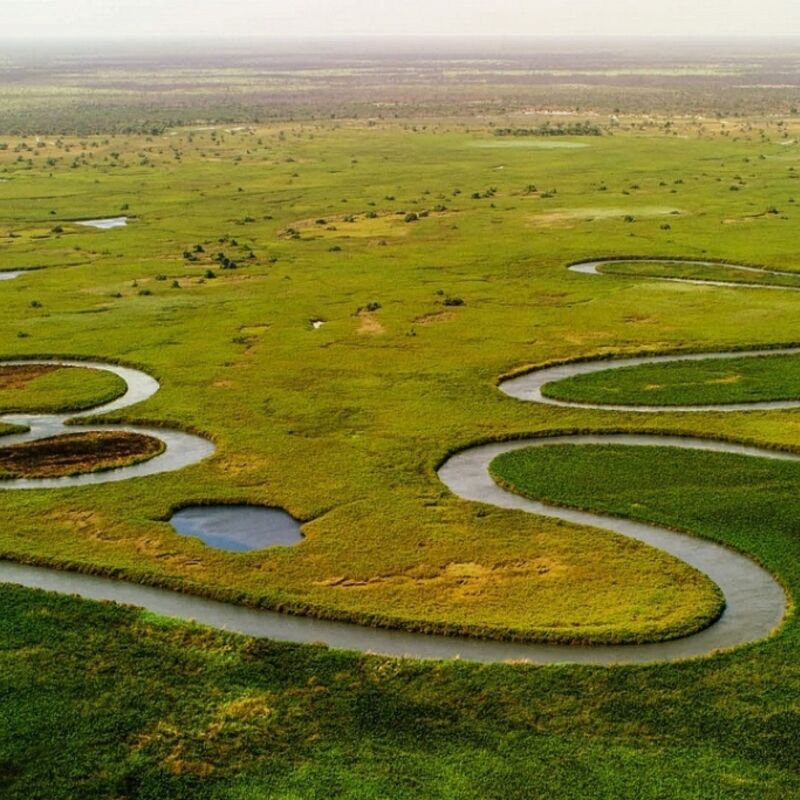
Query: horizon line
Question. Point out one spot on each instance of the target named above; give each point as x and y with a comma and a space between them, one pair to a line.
401, 37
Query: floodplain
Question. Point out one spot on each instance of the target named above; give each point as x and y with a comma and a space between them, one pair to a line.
327, 307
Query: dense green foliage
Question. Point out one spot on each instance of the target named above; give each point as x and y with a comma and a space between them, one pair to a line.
707, 382
64, 389
109, 703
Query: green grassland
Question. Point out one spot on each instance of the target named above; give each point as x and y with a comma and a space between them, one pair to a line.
308, 418
706, 382
107, 702
62, 389
6, 428
344, 426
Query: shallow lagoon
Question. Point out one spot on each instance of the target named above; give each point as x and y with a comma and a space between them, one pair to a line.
104, 224
238, 528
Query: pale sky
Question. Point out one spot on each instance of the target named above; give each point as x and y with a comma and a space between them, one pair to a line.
313, 18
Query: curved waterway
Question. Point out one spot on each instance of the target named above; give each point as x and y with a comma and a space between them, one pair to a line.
181, 449
594, 268
529, 386
755, 603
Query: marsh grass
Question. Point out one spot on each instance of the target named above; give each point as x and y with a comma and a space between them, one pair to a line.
42, 389
345, 430
145, 707
705, 382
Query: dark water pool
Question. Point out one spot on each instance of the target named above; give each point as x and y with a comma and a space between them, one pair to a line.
238, 528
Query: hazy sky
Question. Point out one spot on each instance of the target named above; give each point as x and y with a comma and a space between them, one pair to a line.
171, 18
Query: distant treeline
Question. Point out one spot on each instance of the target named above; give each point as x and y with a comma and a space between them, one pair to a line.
560, 129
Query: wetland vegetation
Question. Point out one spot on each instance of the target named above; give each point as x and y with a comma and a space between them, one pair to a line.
435, 252
45, 388
686, 383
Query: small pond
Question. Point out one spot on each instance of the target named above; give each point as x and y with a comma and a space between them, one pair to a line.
104, 224
238, 528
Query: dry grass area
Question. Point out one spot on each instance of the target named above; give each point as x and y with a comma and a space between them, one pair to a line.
370, 324
569, 216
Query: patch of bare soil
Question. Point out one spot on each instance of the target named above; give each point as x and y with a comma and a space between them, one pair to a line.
434, 317
16, 376
370, 324
74, 453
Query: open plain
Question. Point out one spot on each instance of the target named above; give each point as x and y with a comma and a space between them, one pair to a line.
325, 314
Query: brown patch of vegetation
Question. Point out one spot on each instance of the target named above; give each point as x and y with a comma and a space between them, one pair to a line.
16, 376
370, 324
728, 379
743, 219
570, 216
78, 520
434, 317
257, 726
74, 453
458, 579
